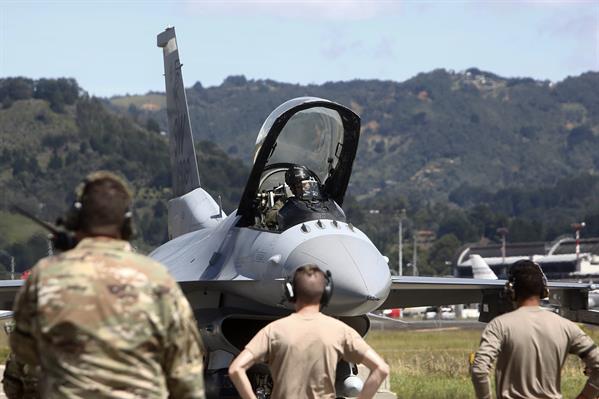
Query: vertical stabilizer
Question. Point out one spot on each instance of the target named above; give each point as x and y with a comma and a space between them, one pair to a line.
480, 268
184, 165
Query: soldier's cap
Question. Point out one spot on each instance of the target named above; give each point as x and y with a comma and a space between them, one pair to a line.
102, 175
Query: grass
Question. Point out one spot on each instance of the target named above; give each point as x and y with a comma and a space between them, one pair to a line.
16, 228
434, 363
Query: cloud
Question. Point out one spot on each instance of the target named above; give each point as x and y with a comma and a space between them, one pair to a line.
340, 10
337, 47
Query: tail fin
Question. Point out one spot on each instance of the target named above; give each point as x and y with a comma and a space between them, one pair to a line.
184, 165
480, 268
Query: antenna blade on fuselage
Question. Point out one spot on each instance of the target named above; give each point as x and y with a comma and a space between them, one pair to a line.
184, 165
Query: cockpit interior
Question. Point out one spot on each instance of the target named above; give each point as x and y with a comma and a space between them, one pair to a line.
302, 162
298, 198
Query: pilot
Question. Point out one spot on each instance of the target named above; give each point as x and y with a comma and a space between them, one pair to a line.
302, 183
302, 350
303, 186
101, 320
531, 344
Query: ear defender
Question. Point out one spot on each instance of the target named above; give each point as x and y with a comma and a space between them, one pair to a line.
510, 284
545, 289
289, 289
509, 290
72, 219
127, 230
328, 289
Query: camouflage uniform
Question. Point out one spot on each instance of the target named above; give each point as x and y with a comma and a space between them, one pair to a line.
20, 379
105, 322
271, 217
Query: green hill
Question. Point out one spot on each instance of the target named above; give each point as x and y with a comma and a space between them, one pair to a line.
463, 153
46, 150
432, 133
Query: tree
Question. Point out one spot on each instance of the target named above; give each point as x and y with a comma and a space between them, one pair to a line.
525, 230
59, 92
152, 125
443, 251
457, 224
55, 161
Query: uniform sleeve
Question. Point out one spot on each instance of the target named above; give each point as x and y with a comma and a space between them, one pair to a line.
11, 381
354, 347
485, 356
260, 345
183, 360
584, 347
22, 340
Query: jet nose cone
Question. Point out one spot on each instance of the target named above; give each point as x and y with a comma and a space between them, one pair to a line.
360, 274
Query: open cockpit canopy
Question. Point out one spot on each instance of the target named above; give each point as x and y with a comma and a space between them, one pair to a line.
315, 133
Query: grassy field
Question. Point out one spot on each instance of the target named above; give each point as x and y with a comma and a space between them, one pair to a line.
16, 228
432, 364
429, 364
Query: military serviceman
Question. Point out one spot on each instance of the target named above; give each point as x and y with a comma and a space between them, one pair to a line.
102, 321
303, 349
302, 186
531, 344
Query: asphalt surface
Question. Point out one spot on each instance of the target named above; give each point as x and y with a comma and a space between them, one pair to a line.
384, 393
416, 324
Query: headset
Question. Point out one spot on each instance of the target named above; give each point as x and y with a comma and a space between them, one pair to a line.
289, 289
510, 285
72, 220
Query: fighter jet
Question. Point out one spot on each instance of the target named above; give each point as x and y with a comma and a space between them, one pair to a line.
290, 214
232, 268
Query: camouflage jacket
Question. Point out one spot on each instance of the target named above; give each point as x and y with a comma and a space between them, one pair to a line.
104, 322
20, 380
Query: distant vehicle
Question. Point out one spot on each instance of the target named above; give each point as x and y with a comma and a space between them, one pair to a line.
439, 313
395, 313
414, 311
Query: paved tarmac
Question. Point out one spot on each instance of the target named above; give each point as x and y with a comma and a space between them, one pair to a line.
417, 324
384, 393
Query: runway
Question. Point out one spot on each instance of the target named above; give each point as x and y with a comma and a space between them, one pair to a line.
378, 323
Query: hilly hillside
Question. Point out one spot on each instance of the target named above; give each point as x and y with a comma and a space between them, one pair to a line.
49, 145
463, 154
433, 133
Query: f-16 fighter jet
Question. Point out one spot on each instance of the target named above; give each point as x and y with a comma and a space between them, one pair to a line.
233, 267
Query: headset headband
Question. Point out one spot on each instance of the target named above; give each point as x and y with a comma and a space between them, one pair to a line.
290, 291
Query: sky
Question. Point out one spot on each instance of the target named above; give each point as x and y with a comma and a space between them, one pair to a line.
110, 46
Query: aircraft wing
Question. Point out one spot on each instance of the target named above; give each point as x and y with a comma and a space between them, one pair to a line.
406, 291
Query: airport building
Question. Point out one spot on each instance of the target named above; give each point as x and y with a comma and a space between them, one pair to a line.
560, 259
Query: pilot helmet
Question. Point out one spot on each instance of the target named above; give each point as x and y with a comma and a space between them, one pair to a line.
302, 183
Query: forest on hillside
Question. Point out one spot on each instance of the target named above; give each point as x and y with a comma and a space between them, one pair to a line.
462, 154
430, 134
